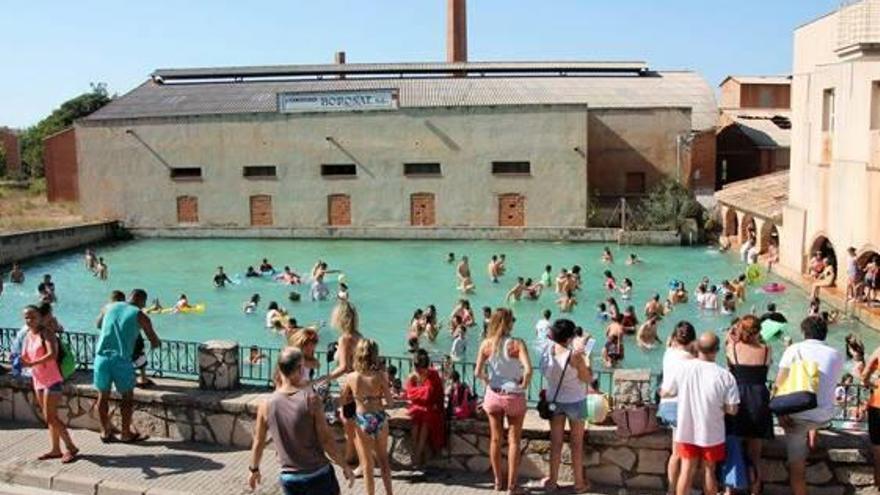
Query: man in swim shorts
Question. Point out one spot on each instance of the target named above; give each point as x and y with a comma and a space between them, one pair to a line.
120, 327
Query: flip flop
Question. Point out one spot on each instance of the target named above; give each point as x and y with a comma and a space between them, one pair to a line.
108, 439
137, 438
50, 455
69, 457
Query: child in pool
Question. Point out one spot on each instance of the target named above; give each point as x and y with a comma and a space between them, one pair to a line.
533, 290
629, 320
728, 306
613, 352
368, 387
602, 313
613, 308
567, 302
251, 273
250, 307
610, 282
607, 257
459, 343
182, 304
633, 259
646, 337
266, 267
255, 356
626, 289
342, 295
450, 258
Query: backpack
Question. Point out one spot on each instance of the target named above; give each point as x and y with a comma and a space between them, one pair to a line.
63, 357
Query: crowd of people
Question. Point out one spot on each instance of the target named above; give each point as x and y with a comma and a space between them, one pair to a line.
720, 416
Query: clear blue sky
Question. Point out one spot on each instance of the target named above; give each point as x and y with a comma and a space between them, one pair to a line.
51, 51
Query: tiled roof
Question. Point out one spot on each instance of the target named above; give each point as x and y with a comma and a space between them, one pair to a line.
763, 196
782, 80
655, 89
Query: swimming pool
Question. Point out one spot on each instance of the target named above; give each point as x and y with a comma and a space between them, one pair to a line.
387, 280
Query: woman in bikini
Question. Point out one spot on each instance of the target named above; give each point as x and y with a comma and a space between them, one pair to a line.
368, 387
345, 319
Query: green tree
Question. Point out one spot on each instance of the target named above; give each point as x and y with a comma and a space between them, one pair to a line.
667, 206
59, 119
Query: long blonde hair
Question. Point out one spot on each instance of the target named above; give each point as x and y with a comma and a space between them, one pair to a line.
500, 325
366, 356
345, 318
303, 337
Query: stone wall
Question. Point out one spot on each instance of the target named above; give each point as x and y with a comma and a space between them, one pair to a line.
179, 410
576, 234
23, 245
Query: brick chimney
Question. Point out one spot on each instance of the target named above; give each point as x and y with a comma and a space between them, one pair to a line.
339, 58
456, 31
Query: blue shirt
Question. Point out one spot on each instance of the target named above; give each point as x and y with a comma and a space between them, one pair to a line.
119, 330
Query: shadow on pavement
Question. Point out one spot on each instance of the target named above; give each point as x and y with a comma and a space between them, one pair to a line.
155, 466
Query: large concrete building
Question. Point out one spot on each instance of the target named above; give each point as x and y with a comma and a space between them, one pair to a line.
834, 192
375, 145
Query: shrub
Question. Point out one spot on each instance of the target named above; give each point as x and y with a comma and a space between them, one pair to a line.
667, 206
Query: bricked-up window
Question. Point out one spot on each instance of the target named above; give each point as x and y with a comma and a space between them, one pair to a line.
339, 170
421, 169
260, 172
875, 106
511, 168
261, 210
635, 183
186, 173
187, 209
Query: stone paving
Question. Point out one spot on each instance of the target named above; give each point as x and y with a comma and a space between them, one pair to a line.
161, 466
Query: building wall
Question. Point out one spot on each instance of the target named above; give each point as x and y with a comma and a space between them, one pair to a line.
635, 141
765, 96
60, 166
730, 94
9, 143
836, 196
120, 178
700, 162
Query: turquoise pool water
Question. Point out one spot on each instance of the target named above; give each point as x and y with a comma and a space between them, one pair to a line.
387, 281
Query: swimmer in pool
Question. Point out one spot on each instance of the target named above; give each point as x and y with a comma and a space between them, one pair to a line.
289, 277
101, 270
626, 289
547, 277
562, 281
613, 353
274, 313
517, 291
256, 357
502, 264
250, 273
429, 319
533, 290
220, 278
16, 276
576, 276
156, 307
450, 258
633, 259
466, 286
266, 267
90, 259
567, 302
493, 270
464, 312
182, 304
319, 291
342, 294
610, 282
646, 337
653, 307
416, 324
607, 257
250, 307
629, 320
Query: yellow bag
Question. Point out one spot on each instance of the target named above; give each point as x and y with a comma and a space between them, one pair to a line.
797, 393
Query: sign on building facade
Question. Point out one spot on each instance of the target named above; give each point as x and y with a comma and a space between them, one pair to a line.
338, 101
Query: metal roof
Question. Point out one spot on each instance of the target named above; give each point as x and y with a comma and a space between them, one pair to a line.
780, 80
761, 127
276, 71
655, 90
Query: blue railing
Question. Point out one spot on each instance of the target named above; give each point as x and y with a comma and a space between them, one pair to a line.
179, 359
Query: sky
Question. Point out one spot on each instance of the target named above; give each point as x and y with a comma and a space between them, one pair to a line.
52, 50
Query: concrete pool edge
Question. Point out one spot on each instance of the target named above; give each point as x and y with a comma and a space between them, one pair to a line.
179, 410
573, 234
21, 246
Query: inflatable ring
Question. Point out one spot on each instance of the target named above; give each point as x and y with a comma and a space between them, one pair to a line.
597, 408
774, 287
753, 273
771, 329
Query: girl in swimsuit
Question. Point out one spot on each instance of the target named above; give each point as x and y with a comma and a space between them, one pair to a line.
607, 257
463, 310
368, 387
626, 289
345, 319
429, 319
610, 282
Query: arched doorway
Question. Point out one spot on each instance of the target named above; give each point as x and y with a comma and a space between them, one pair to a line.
731, 223
824, 249
769, 237
748, 229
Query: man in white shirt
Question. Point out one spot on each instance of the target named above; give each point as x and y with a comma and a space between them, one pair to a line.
798, 426
542, 329
705, 392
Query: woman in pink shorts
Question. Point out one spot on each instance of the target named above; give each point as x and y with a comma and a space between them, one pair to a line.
503, 365
39, 353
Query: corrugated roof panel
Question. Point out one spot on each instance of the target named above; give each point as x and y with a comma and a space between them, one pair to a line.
669, 89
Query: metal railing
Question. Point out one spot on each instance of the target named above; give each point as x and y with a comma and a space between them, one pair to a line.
179, 359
